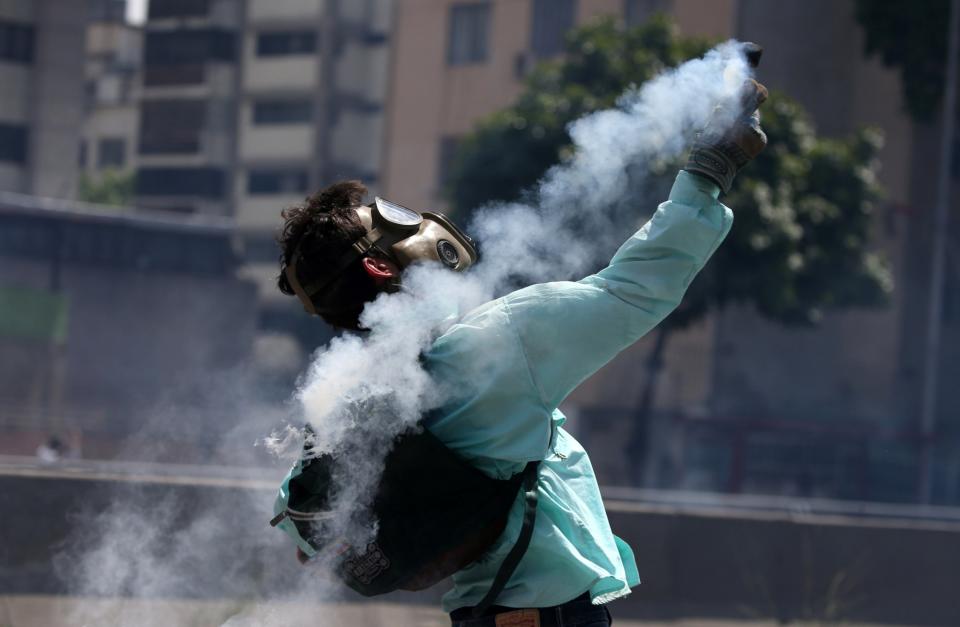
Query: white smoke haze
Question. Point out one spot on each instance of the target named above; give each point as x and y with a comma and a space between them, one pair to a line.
360, 391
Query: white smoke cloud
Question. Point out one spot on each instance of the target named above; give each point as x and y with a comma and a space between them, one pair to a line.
582, 207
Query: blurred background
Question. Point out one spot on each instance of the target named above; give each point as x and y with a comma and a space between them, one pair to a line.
787, 448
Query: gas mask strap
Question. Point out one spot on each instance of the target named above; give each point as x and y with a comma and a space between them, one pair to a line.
373, 239
291, 274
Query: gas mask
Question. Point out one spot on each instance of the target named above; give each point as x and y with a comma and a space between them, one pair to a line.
399, 234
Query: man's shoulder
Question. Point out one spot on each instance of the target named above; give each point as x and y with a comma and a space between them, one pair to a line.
477, 324
497, 311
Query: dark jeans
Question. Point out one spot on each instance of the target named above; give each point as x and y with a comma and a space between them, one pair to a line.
579, 612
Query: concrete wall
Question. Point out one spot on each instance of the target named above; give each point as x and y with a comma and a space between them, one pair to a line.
136, 343
791, 567
787, 567
57, 97
15, 99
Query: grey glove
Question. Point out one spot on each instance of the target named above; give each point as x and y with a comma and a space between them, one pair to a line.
719, 153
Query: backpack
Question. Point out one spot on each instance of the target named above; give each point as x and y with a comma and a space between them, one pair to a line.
436, 514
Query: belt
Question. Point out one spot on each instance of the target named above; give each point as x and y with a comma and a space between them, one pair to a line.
578, 611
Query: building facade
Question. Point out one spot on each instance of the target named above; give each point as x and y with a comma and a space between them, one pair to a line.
41, 71
114, 52
249, 104
311, 105
187, 127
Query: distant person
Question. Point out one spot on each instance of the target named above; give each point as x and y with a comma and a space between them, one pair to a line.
557, 561
51, 451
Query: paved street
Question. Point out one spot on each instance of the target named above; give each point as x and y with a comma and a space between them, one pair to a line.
51, 611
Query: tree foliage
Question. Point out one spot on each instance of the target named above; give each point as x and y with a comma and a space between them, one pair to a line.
912, 37
602, 61
114, 187
803, 208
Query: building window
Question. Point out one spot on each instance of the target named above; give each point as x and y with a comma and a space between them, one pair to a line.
111, 152
551, 21
189, 46
284, 43
16, 42
276, 181
171, 126
178, 57
159, 9
468, 39
110, 11
636, 12
13, 143
282, 111
202, 182
82, 154
162, 75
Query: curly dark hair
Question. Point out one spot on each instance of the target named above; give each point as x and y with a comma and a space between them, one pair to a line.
324, 227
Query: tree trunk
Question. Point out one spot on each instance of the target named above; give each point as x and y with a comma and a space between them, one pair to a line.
638, 444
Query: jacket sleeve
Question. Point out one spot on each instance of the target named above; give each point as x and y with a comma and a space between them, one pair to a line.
568, 330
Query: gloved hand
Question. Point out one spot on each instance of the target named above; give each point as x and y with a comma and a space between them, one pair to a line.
719, 153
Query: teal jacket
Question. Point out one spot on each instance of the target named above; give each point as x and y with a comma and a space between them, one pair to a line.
509, 364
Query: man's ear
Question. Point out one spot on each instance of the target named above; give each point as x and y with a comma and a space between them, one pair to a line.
380, 270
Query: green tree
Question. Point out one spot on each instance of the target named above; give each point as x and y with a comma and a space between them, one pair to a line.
114, 187
804, 207
913, 38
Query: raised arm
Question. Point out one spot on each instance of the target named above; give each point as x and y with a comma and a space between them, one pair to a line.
508, 364
569, 330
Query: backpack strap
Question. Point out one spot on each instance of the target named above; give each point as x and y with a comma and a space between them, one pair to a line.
510, 562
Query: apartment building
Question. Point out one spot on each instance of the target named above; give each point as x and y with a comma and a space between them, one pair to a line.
187, 127
311, 105
114, 51
248, 104
41, 73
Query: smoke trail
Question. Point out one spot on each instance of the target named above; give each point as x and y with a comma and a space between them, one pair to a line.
582, 204
359, 392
